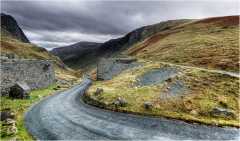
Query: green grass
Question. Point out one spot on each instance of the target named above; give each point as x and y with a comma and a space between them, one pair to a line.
20, 107
205, 91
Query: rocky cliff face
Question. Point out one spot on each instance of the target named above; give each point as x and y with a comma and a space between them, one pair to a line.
10, 26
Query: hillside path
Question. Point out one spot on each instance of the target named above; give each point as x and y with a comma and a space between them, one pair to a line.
233, 74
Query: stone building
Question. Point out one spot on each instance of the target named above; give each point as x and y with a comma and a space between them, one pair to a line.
35, 73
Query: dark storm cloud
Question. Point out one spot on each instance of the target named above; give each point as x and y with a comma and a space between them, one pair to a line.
68, 21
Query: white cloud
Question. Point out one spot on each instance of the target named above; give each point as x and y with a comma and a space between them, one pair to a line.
51, 39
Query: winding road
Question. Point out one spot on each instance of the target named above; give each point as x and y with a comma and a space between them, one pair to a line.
65, 116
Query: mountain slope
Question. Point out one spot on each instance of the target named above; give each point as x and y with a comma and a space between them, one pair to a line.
80, 53
209, 43
181, 75
112, 47
9, 26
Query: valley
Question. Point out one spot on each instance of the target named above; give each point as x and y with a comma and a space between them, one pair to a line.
177, 79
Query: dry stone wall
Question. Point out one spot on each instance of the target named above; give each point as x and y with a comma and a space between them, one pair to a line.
36, 73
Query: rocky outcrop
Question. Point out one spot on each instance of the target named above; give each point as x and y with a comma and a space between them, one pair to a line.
120, 102
148, 105
98, 91
157, 75
9, 127
10, 25
222, 112
107, 68
35, 73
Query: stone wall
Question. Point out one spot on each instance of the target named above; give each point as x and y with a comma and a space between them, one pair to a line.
36, 73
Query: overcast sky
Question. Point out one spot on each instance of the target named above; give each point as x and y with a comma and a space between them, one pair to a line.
62, 22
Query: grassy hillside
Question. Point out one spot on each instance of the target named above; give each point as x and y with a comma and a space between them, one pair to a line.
187, 93
10, 45
209, 43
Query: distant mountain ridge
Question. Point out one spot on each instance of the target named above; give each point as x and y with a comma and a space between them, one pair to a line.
209, 43
10, 26
76, 56
74, 51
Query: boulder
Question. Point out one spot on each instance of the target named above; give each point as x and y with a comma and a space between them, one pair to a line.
7, 114
98, 91
20, 90
120, 102
148, 105
12, 130
63, 83
194, 112
9, 122
222, 112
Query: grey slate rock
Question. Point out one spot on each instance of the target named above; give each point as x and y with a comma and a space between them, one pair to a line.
157, 75
98, 91
108, 68
222, 112
120, 102
9, 121
148, 105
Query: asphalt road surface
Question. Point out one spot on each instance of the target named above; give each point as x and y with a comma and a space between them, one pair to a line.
65, 116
